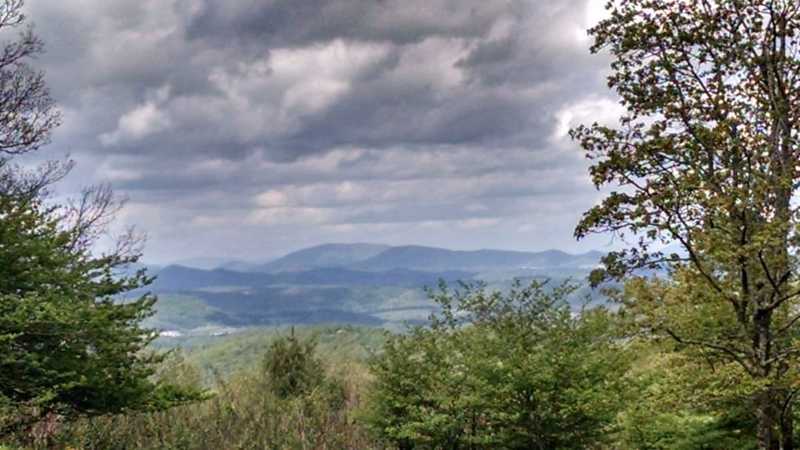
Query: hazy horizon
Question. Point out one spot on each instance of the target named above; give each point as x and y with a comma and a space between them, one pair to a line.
272, 257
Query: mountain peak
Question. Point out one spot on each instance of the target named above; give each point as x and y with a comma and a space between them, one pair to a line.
325, 255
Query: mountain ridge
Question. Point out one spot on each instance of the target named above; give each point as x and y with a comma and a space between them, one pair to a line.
177, 278
363, 284
437, 259
324, 255
379, 257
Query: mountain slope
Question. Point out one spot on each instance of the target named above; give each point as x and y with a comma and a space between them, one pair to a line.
439, 259
241, 266
202, 263
327, 255
181, 279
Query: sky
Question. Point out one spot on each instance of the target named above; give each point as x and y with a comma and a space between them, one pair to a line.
246, 129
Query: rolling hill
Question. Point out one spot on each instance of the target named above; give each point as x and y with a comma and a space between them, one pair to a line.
376, 257
180, 278
361, 284
437, 259
327, 255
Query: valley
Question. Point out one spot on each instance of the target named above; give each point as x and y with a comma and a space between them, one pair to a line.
345, 284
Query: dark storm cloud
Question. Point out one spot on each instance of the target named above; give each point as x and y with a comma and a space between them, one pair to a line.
200, 110
290, 23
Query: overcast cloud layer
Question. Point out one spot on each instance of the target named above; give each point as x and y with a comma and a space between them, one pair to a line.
248, 128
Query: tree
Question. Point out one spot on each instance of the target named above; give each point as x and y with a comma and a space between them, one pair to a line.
515, 370
69, 345
675, 404
292, 366
27, 111
707, 157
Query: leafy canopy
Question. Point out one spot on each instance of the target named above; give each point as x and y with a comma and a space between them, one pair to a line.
500, 370
707, 157
67, 345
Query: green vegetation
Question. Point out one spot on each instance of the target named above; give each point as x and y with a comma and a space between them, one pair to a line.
707, 157
669, 406
700, 349
68, 348
290, 400
514, 371
224, 356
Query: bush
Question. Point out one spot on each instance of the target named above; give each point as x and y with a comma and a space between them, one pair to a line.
516, 370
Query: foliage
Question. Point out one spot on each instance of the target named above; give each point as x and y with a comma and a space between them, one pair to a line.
225, 356
674, 404
707, 157
293, 368
245, 412
68, 348
515, 370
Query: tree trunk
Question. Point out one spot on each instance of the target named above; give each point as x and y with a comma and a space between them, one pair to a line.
787, 426
765, 401
765, 432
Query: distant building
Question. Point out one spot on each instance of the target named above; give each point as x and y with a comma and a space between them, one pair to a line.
170, 333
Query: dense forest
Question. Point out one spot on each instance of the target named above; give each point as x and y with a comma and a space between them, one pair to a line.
693, 343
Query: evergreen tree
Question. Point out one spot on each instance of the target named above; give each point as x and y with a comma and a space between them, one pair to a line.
292, 366
70, 343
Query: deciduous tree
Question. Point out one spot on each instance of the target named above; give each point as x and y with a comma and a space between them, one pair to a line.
515, 370
707, 157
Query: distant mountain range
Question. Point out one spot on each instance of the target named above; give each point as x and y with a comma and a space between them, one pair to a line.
179, 278
365, 284
376, 257
327, 255
437, 259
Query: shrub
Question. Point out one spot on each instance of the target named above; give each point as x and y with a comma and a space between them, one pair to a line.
252, 409
518, 370
292, 366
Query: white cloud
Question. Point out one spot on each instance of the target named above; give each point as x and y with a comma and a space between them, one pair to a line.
289, 216
586, 112
142, 121
422, 121
272, 199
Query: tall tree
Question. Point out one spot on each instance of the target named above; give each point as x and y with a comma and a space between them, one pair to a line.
707, 157
68, 346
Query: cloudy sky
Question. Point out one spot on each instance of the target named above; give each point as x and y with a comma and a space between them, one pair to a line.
248, 128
